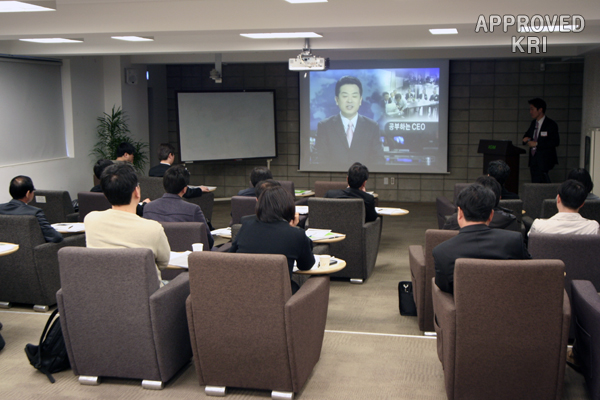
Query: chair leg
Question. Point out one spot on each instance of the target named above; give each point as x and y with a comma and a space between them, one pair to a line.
40, 308
276, 395
356, 280
5, 304
89, 380
152, 385
218, 391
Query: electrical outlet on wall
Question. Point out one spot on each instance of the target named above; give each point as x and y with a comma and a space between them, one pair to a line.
392, 181
385, 181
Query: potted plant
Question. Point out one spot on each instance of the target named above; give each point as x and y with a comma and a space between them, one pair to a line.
113, 130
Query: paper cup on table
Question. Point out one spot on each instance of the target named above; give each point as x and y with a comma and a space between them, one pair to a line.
324, 261
197, 246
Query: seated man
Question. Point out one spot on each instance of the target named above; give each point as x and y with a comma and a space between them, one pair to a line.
501, 171
125, 152
258, 174
99, 167
22, 191
581, 175
358, 175
570, 198
166, 156
503, 218
171, 207
475, 238
119, 226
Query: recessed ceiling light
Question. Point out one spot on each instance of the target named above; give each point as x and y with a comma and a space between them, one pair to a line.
134, 38
306, 1
21, 6
52, 40
450, 31
556, 28
281, 35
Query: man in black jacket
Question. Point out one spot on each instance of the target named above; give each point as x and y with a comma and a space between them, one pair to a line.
475, 238
22, 191
542, 139
358, 175
503, 218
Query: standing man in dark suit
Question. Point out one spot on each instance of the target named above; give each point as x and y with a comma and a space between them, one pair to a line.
348, 136
22, 191
475, 238
166, 156
357, 181
542, 139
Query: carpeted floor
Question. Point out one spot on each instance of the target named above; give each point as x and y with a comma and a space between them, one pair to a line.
369, 350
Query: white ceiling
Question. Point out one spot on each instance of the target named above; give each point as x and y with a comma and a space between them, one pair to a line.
194, 30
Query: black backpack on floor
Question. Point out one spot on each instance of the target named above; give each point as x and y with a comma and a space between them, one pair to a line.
50, 355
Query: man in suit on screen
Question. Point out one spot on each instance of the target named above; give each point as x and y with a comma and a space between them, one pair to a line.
542, 139
348, 136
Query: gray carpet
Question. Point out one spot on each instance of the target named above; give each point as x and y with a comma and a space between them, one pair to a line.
369, 351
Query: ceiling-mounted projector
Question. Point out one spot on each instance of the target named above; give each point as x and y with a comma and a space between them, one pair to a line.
306, 61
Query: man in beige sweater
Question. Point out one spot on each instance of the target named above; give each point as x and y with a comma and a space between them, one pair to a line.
120, 226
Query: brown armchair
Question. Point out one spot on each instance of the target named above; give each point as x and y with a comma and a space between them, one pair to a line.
503, 335
91, 201
181, 237
115, 319
56, 204
246, 328
580, 253
240, 207
30, 275
422, 269
359, 248
321, 187
585, 303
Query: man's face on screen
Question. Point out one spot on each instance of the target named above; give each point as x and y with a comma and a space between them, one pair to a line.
349, 100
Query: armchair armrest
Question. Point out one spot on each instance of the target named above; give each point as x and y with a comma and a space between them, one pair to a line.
46, 265
416, 261
305, 316
169, 324
444, 311
73, 217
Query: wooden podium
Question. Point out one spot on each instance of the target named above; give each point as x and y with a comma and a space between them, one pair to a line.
502, 150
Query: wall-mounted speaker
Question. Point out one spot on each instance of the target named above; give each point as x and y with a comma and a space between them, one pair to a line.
131, 76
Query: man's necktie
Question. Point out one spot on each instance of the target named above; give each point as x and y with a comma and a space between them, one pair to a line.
535, 136
349, 133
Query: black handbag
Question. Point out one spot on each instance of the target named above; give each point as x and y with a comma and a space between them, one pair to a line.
406, 300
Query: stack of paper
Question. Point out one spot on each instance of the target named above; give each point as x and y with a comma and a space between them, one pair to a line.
221, 232
71, 227
179, 259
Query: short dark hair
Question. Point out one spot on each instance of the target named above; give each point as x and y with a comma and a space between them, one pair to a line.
357, 175
572, 194
476, 202
175, 179
275, 204
347, 80
538, 103
499, 170
260, 174
164, 150
491, 183
19, 186
581, 175
384, 93
262, 185
118, 181
125, 147
100, 166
